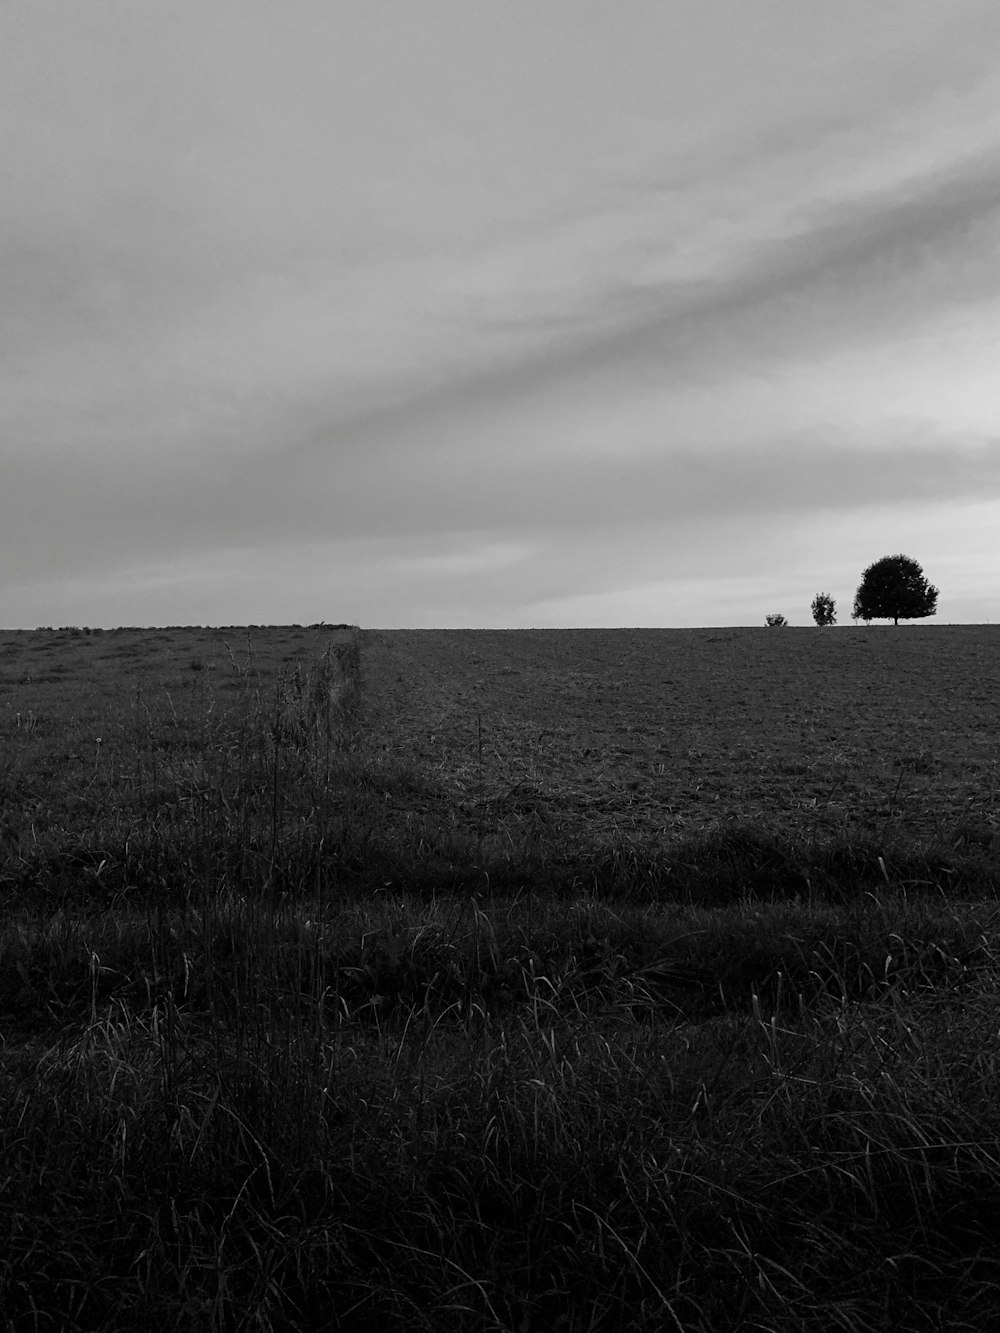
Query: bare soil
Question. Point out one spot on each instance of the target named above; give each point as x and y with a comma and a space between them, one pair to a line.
670, 732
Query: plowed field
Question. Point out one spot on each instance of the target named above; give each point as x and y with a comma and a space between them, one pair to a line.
669, 732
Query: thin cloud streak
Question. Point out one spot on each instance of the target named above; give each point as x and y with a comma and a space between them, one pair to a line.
879, 269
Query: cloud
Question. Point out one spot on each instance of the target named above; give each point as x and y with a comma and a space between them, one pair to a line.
794, 476
97, 517
227, 242
434, 296
797, 284
851, 269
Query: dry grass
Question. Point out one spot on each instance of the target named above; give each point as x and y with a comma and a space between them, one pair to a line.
385, 981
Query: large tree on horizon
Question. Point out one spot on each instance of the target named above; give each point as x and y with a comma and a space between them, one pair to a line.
894, 588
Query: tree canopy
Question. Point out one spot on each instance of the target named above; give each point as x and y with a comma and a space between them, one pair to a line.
894, 588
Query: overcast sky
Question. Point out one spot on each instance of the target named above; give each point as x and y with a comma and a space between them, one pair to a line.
495, 312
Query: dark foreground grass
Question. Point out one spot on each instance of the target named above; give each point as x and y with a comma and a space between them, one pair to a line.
293, 1042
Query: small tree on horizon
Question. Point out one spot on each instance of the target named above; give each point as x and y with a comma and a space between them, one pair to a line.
775, 621
894, 588
824, 609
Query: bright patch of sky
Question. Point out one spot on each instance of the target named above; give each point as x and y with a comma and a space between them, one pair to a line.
663, 312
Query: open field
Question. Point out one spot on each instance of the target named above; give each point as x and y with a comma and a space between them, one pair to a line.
660, 735
570, 980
